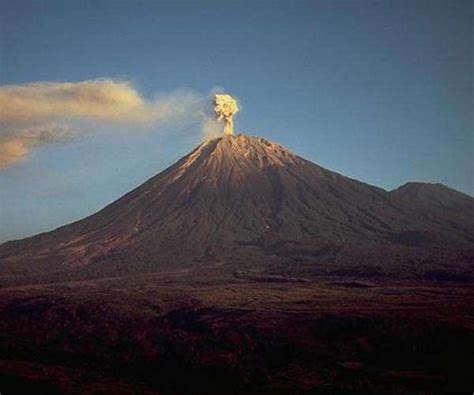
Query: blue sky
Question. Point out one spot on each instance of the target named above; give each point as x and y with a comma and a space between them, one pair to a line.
381, 91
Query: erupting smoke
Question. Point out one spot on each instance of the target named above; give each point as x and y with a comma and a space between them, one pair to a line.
42, 113
225, 107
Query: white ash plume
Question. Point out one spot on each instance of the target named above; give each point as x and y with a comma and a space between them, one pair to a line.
225, 107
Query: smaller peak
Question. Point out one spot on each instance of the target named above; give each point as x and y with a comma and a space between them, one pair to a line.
420, 187
416, 185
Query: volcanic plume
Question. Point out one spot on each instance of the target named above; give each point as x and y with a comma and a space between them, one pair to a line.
225, 107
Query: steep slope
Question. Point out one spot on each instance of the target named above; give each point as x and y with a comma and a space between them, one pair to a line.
232, 199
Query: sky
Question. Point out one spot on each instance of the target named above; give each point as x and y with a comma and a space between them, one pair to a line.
380, 91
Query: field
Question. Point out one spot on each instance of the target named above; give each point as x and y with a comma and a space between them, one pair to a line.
188, 333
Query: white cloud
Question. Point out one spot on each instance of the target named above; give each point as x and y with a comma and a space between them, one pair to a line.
41, 113
16, 144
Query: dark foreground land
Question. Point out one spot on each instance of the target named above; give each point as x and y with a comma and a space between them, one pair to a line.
159, 334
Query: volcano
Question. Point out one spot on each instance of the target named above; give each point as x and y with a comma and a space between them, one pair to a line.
246, 204
245, 269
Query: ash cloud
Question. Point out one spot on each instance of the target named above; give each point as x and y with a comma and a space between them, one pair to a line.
225, 107
35, 114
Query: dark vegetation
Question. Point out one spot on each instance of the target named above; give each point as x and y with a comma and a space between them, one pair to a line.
159, 334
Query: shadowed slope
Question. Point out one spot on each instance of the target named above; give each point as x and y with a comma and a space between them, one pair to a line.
440, 204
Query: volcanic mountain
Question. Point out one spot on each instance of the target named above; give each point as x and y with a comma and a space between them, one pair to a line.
240, 202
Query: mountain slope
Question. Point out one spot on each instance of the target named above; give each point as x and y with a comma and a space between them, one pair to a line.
233, 199
439, 203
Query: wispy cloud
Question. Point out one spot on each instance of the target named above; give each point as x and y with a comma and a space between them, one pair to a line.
16, 144
41, 113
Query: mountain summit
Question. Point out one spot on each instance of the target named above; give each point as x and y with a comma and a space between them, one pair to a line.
236, 200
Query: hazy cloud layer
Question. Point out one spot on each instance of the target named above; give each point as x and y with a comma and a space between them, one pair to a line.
46, 112
16, 144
